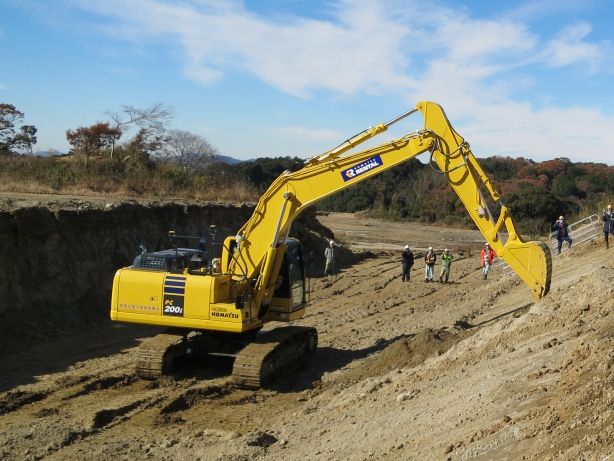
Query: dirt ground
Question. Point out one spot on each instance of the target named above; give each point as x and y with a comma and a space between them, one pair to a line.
471, 369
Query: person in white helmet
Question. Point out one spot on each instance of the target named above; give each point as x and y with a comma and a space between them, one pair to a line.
562, 233
407, 258
429, 264
608, 225
446, 264
330, 256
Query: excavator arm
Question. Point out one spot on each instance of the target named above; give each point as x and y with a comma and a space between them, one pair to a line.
256, 258
532, 261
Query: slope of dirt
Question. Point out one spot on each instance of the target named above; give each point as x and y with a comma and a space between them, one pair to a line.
466, 370
60, 253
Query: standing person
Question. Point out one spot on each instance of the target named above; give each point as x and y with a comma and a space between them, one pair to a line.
330, 256
562, 233
429, 264
407, 258
608, 225
446, 264
487, 256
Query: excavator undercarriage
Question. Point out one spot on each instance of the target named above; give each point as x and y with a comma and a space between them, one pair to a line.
258, 356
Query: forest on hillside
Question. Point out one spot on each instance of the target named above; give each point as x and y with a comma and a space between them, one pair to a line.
134, 154
536, 192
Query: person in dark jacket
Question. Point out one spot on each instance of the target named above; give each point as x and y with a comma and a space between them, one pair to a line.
562, 233
407, 258
608, 225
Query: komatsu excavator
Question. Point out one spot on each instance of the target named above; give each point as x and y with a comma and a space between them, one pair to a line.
219, 307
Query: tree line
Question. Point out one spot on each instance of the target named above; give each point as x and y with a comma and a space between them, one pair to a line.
134, 153
132, 132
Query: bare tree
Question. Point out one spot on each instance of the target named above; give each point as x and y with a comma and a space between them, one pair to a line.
151, 122
189, 150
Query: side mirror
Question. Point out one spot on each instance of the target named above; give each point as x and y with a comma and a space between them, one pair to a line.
142, 248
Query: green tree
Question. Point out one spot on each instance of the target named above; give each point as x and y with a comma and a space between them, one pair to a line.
25, 139
11, 140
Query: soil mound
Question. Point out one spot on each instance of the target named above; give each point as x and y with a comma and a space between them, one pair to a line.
406, 352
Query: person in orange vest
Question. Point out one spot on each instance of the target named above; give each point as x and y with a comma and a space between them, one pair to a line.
487, 255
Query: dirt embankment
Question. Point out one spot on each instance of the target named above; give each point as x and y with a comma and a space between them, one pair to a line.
471, 369
60, 254
60, 257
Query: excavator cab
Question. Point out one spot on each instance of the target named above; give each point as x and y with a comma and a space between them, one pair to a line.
291, 279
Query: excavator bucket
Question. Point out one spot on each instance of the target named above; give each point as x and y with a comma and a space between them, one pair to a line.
532, 261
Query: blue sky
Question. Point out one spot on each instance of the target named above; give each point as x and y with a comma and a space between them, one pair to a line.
288, 77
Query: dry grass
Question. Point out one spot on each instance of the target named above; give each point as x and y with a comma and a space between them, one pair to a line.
68, 176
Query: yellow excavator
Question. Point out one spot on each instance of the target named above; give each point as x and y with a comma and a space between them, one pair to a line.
219, 306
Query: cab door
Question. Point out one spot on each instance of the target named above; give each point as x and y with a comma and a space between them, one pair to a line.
296, 273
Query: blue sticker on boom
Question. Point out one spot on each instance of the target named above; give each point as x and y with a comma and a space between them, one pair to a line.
361, 168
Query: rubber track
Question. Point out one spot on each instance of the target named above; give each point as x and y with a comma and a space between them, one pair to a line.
151, 362
270, 353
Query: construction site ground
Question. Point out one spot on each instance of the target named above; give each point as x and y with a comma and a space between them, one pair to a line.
471, 369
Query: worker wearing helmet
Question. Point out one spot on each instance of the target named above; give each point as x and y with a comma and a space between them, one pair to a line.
446, 264
330, 256
407, 259
562, 233
487, 256
429, 264
608, 224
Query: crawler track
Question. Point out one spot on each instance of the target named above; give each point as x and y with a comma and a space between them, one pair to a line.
155, 357
271, 353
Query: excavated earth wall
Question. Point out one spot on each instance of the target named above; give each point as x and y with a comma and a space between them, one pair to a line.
59, 258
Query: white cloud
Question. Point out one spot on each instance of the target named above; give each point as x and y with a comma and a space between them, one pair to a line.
296, 56
417, 49
569, 47
3, 87
519, 129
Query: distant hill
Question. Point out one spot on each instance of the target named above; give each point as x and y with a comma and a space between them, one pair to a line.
226, 159
48, 153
